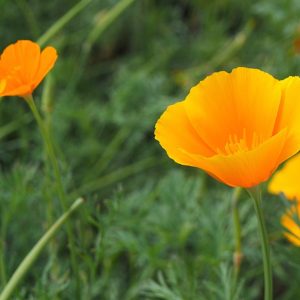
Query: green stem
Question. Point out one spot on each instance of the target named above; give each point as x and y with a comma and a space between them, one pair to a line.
104, 22
3, 238
95, 34
2, 264
117, 175
60, 23
29, 16
229, 50
237, 256
255, 194
49, 149
109, 151
47, 99
58, 178
46, 108
35, 251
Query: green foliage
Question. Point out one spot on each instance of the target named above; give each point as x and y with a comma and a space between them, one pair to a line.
150, 229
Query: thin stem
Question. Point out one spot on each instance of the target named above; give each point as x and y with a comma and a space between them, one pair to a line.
238, 255
110, 150
228, 51
95, 34
105, 22
46, 101
49, 149
29, 16
58, 178
35, 251
3, 238
46, 108
117, 175
60, 23
255, 194
2, 263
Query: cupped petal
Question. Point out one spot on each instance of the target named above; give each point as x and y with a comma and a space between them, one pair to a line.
47, 61
175, 133
286, 180
245, 168
239, 103
291, 147
28, 54
289, 109
288, 116
7, 59
22, 59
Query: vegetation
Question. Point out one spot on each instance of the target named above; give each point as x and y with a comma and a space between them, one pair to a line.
149, 229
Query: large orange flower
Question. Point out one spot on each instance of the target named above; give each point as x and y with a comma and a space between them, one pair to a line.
23, 66
236, 126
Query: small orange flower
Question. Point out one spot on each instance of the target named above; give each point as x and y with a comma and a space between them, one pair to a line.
23, 66
287, 181
291, 221
236, 126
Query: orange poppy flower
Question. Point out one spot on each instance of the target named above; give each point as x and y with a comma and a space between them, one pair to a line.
237, 126
287, 181
23, 66
291, 221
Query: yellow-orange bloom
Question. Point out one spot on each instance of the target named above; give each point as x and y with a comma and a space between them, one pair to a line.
287, 181
23, 66
291, 221
236, 126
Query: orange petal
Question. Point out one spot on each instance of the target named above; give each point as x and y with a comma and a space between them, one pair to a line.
20, 90
243, 102
174, 132
23, 56
47, 61
28, 55
288, 116
245, 168
287, 179
288, 113
2, 85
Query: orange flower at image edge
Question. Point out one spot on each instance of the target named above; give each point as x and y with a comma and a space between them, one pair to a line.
287, 181
291, 221
23, 66
237, 126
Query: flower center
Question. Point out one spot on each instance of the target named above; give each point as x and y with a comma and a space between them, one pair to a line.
241, 143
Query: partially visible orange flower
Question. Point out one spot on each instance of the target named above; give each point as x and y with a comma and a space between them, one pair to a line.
23, 66
291, 221
287, 181
237, 126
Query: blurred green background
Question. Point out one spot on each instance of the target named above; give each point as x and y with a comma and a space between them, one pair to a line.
150, 229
